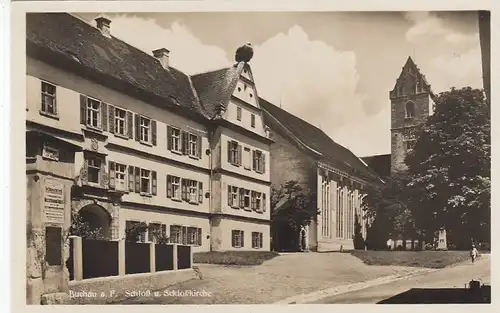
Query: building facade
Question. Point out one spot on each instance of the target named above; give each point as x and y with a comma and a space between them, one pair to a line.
187, 155
303, 153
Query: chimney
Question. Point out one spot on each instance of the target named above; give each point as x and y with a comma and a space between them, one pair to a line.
103, 24
162, 56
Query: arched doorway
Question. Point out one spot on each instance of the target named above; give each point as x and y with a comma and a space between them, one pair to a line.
96, 218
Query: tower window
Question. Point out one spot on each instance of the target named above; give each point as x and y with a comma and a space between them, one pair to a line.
409, 109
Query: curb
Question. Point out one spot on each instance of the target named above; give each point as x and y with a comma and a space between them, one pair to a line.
318, 295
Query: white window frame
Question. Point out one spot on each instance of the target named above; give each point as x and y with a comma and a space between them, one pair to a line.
257, 238
120, 120
247, 158
145, 129
258, 161
176, 143
234, 196
247, 195
91, 111
146, 174
192, 191
91, 165
45, 94
175, 182
258, 200
118, 177
192, 145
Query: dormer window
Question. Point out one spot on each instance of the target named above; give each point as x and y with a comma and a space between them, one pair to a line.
410, 109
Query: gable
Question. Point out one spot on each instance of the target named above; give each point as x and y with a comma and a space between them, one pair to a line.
246, 92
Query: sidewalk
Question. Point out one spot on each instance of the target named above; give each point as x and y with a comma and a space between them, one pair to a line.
283, 277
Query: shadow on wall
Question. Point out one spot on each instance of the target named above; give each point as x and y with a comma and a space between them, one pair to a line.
441, 296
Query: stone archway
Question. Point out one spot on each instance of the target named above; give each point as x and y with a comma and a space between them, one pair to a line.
96, 217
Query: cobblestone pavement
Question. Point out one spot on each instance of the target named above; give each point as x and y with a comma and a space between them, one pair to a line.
284, 276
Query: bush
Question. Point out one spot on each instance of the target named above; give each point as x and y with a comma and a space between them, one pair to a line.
234, 257
358, 240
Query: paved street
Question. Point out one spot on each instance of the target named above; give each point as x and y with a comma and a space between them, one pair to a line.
453, 277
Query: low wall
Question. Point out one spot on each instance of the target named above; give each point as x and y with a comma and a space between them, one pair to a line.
117, 288
335, 245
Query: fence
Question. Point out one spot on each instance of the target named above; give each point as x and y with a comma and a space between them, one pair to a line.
89, 258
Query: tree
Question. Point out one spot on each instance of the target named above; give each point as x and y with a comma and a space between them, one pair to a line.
389, 209
450, 168
358, 241
292, 206
135, 231
79, 227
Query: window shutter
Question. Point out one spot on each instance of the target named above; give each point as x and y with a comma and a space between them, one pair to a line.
229, 196
83, 109
163, 229
84, 172
154, 183
239, 155
169, 137
184, 141
254, 167
103, 181
260, 240
184, 195
263, 207
254, 201
242, 238
200, 192
229, 152
131, 178
137, 128
104, 116
137, 179
153, 132
198, 144
111, 123
169, 186
112, 175
242, 197
263, 167
130, 124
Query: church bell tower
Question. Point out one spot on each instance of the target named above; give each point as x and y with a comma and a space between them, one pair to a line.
411, 104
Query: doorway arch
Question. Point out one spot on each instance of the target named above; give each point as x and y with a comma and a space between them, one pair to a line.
96, 218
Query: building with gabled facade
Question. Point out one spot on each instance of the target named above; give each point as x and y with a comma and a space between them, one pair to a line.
145, 142
302, 152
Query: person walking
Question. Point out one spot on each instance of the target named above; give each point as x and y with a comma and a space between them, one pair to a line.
473, 253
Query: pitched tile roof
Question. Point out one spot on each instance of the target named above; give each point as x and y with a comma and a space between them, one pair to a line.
316, 140
214, 88
72, 39
381, 164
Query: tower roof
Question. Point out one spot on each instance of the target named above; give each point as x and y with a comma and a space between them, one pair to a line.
411, 70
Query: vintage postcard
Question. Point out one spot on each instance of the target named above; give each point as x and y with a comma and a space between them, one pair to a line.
189, 154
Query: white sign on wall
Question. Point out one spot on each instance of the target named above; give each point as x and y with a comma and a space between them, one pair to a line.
53, 201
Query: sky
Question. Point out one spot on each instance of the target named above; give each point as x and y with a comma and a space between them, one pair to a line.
332, 69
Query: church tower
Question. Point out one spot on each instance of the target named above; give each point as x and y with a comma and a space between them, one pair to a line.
411, 103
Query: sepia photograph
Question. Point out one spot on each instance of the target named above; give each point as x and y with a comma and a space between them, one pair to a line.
240, 157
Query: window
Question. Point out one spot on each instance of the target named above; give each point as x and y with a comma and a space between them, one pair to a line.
144, 129
94, 169
145, 181
185, 235
193, 191
120, 121
256, 240
156, 230
193, 145
256, 201
246, 159
259, 161
409, 109
194, 236
253, 121
120, 174
174, 187
238, 238
238, 114
49, 99
93, 113
49, 152
232, 196
174, 139
246, 199
130, 225
234, 151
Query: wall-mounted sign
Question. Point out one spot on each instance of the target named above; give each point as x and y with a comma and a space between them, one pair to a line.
50, 153
53, 201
